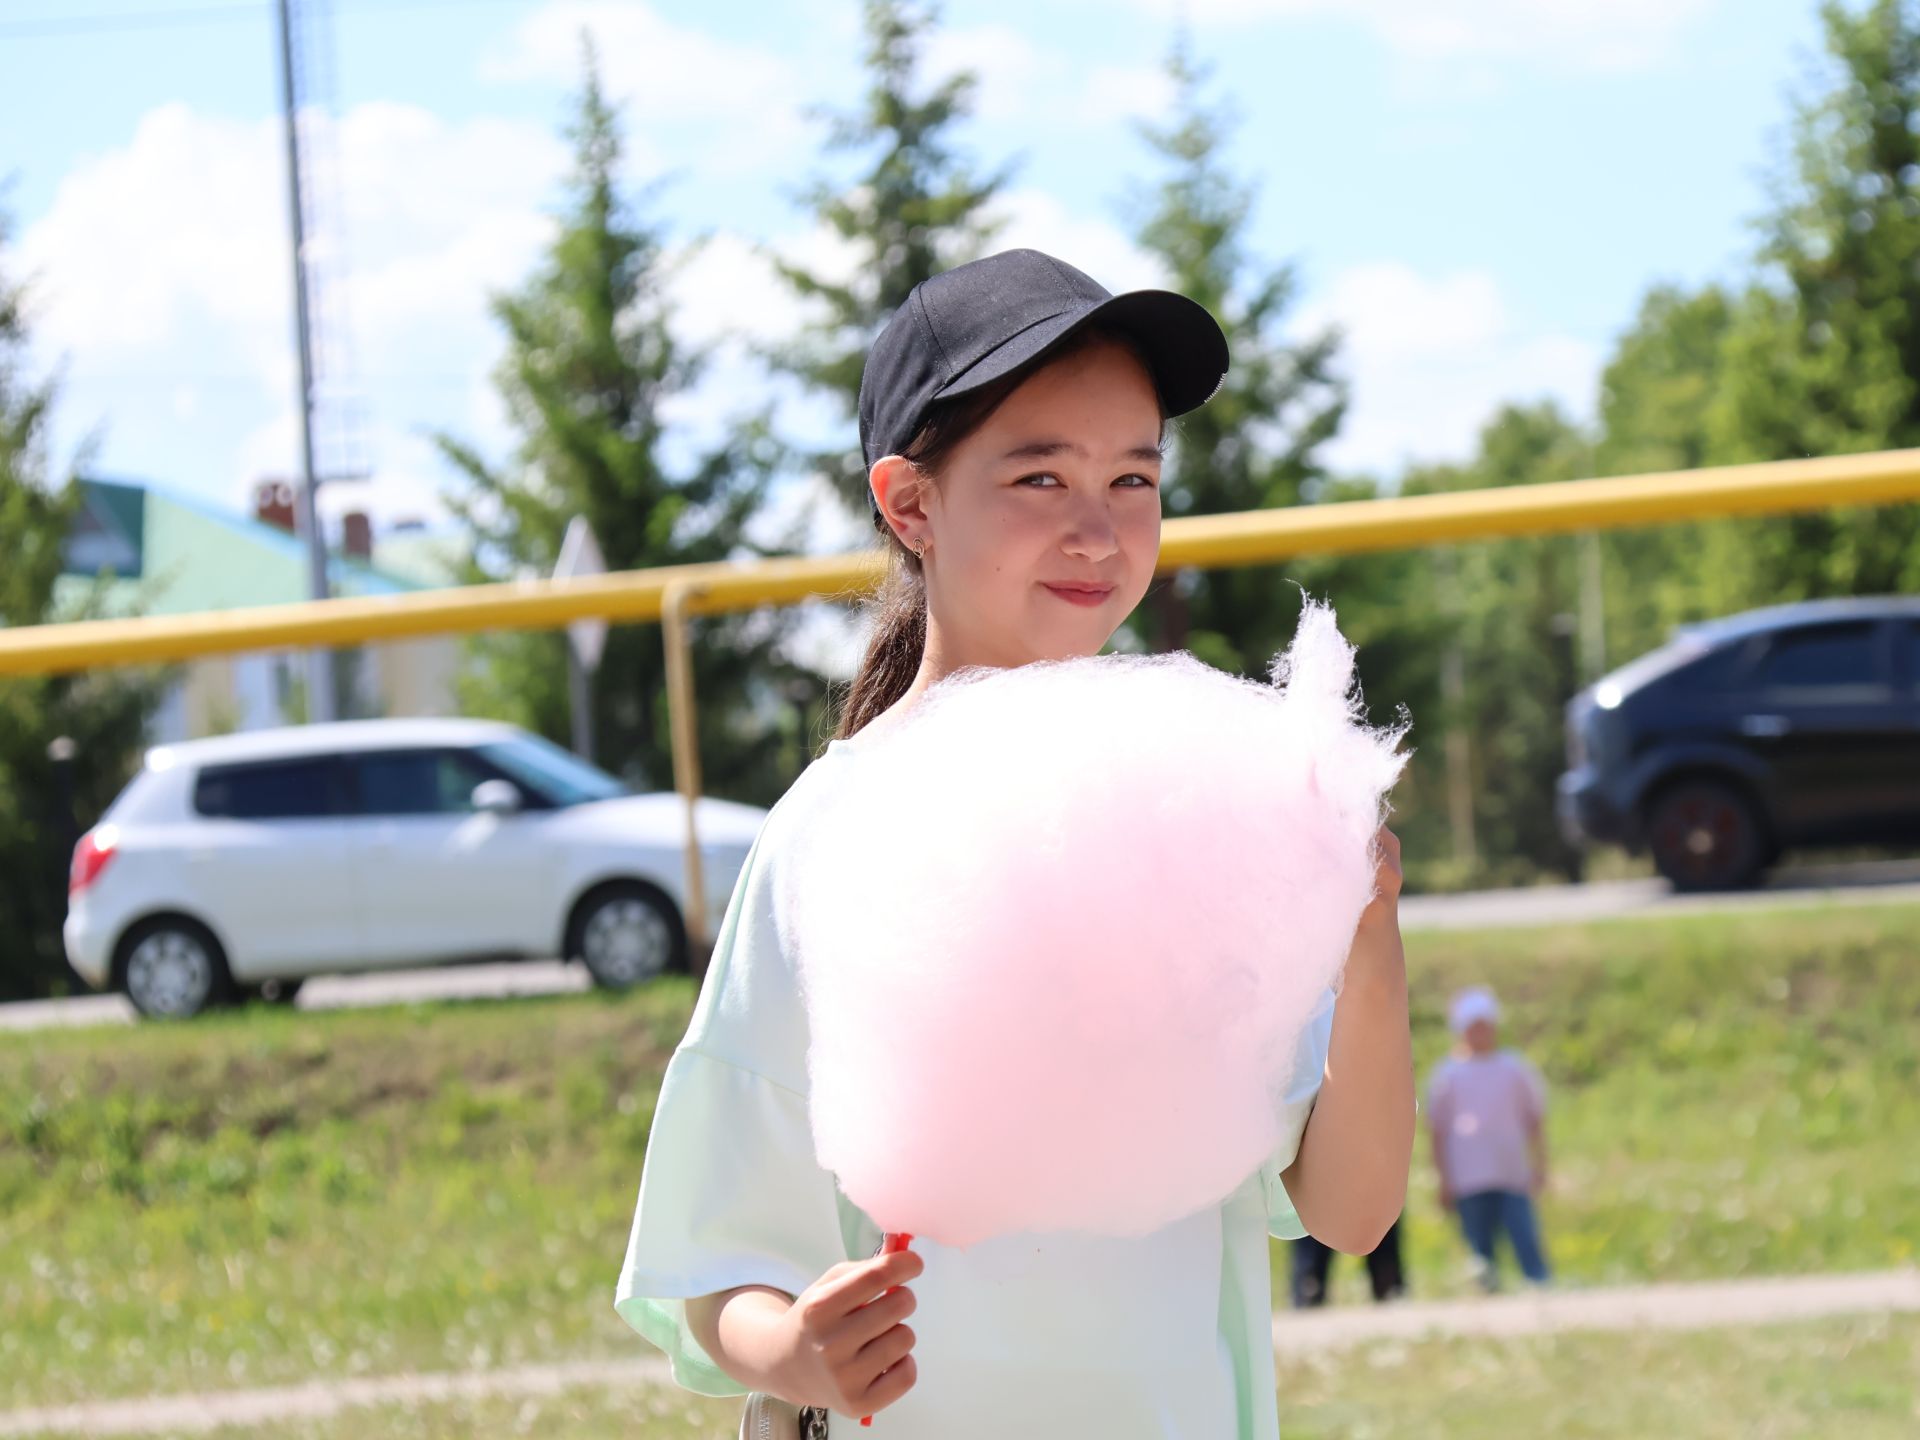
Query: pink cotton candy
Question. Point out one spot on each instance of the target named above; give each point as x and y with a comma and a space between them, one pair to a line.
1061, 928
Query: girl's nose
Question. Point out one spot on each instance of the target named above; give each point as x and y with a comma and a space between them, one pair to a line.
1091, 535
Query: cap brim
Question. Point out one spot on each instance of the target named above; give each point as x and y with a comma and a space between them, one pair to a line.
1182, 343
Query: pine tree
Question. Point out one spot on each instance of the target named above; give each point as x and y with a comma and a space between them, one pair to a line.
917, 208
592, 363
1253, 445
104, 713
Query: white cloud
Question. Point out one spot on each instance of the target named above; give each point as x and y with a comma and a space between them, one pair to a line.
1430, 358
1113, 94
1580, 34
692, 97
165, 283
1017, 84
1035, 219
186, 220
1008, 71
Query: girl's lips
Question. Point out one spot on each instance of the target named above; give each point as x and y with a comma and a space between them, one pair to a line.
1081, 595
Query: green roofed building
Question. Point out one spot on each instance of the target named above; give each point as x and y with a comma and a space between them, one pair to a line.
144, 551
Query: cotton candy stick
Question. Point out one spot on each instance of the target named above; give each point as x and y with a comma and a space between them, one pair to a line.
892, 1245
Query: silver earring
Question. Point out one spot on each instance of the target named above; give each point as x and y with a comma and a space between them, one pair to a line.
920, 548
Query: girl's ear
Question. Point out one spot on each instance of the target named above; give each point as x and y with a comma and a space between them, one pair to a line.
900, 491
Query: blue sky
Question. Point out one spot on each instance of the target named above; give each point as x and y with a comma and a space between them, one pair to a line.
1478, 191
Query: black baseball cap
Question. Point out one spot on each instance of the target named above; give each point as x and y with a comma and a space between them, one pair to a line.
976, 323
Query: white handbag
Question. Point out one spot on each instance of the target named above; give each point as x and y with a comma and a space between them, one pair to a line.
768, 1418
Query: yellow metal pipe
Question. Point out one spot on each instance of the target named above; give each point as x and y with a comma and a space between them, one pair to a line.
1560, 507
1202, 541
682, 721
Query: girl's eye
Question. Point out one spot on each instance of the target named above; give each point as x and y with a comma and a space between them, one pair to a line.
1039, 482
1137, 482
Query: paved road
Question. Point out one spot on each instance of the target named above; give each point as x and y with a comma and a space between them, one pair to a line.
1874, 883
1879, 882
335, 992
1664, 1307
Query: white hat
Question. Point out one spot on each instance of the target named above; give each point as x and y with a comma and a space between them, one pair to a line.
1474, 1003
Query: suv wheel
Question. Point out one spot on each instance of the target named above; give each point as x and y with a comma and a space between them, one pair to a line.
1706, 835
626, 934
172, 969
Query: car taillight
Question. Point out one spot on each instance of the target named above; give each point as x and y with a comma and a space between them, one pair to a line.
90, 857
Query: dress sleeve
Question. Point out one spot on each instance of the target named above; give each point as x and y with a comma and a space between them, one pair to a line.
730, 1191
1309, 1069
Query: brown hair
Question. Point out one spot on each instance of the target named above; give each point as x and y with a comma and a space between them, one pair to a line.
899, 610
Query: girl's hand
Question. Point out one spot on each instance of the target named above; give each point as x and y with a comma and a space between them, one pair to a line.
842, 1341
1384, 909
1377, 952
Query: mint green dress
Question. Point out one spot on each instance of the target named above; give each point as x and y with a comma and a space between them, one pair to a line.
1023, 1337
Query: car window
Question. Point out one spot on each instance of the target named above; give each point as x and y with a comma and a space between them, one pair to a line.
556, 775
1718, 672
277, 790
418, 782
1910, 635
1824, 658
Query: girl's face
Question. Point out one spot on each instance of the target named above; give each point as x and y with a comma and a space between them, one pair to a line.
1044, 525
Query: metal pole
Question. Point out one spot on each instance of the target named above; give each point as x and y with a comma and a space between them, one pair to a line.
580, 702
1206, 542
1593, 610
1458, 747
682, 722
320, 698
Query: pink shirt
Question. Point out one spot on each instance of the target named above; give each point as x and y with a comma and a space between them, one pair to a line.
1483, 1108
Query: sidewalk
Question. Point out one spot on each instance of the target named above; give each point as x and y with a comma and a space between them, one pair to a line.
1694, 1306
1651, 1307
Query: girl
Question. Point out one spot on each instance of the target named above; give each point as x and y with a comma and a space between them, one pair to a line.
1012, 415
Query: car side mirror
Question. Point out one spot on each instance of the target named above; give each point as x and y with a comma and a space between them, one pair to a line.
497, 797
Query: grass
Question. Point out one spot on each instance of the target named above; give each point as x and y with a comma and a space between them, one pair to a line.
267, 1195
1727, 1091
1853, 1377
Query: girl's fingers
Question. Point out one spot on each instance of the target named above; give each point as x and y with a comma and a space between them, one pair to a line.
875, 1318
863, 1283
881, 1354
895, 1382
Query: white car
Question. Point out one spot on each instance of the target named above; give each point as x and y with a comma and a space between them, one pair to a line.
242, 864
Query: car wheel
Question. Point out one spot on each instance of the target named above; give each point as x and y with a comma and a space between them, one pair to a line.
1706, 835
627, 934
172, 969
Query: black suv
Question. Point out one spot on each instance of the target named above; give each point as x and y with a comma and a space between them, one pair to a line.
1798, 725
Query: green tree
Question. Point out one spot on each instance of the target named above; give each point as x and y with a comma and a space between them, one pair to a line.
915, 209
1660, 385
592, 363
1824, 354
1510, 607
104, 713
1253, 445
1658, 396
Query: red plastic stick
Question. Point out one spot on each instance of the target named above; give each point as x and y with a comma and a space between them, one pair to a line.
893, 1244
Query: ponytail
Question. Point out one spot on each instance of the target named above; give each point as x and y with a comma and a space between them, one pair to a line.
899, 640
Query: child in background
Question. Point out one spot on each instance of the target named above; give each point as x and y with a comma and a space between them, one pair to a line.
1487, 1110
1312, 1266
